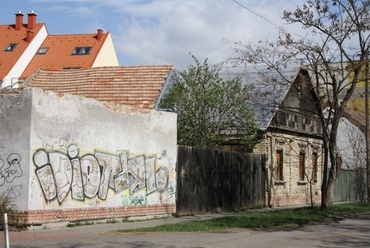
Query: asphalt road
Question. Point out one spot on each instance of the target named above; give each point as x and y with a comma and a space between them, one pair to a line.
350, 232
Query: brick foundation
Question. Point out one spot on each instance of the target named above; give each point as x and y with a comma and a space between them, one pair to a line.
280, 201
83, 214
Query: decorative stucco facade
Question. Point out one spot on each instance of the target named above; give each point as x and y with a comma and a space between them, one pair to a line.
294, 169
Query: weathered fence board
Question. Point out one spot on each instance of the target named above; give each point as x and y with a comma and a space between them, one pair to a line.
350, 186
210, 180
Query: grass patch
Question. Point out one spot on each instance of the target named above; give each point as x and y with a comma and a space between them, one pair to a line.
263, 219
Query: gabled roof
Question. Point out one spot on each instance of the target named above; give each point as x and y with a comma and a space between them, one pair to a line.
59, 52
68, 51
130, 85
9, 35
356, 117
269, 88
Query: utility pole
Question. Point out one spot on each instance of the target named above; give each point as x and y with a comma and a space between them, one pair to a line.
367, 127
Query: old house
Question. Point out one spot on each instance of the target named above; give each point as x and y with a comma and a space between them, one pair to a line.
289, 133
27, 47
87, 144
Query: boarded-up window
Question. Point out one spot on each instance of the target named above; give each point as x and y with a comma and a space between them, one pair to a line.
279, 165
302, 158
314, 167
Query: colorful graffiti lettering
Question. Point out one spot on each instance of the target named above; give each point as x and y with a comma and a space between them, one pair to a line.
11, 170
93, 175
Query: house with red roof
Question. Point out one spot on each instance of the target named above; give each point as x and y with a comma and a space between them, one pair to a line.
28, 47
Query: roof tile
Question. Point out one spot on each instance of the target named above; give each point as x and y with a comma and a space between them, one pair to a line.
138, 86
59, 53
10, 35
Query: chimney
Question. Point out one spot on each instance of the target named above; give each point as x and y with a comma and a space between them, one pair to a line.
100, 34
29, 36
18, 20
31, 19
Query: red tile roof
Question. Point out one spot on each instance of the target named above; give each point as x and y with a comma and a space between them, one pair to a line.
10, 35
138, 86
59, 53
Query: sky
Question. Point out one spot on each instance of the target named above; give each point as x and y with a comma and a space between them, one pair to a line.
152, 32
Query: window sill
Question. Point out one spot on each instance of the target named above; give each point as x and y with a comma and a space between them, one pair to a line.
302, 182
280, 182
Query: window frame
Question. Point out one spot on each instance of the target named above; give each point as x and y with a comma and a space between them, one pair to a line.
314, 167
11, 47
279, 158
82, 50
302, 166
42, 50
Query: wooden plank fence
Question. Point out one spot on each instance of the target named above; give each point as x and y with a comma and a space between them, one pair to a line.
214, 180
351, 186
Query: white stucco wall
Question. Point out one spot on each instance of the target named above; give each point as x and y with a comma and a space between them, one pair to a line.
107, 55
80, 153
15, 123
25, 59
351, 145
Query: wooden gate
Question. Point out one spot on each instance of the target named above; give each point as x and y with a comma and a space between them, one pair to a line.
214, 180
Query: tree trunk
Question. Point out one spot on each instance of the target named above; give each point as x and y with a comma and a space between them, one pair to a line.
324, 185
330, 190
336, 164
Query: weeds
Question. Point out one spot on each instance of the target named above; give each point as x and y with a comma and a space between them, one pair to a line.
78, 223
8, 206
111, 221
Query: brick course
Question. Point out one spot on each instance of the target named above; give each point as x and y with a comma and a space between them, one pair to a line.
84, 214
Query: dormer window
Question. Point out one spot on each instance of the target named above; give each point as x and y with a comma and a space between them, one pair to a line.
42, 50
11, 47
81, 51
72, 67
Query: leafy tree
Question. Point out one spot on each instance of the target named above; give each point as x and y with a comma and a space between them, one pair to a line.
334, 48
211, 110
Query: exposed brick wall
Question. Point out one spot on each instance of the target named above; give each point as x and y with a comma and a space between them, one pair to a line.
294, 200
83, 214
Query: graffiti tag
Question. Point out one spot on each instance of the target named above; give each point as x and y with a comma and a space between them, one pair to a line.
10, 170
133, 200
93, 175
